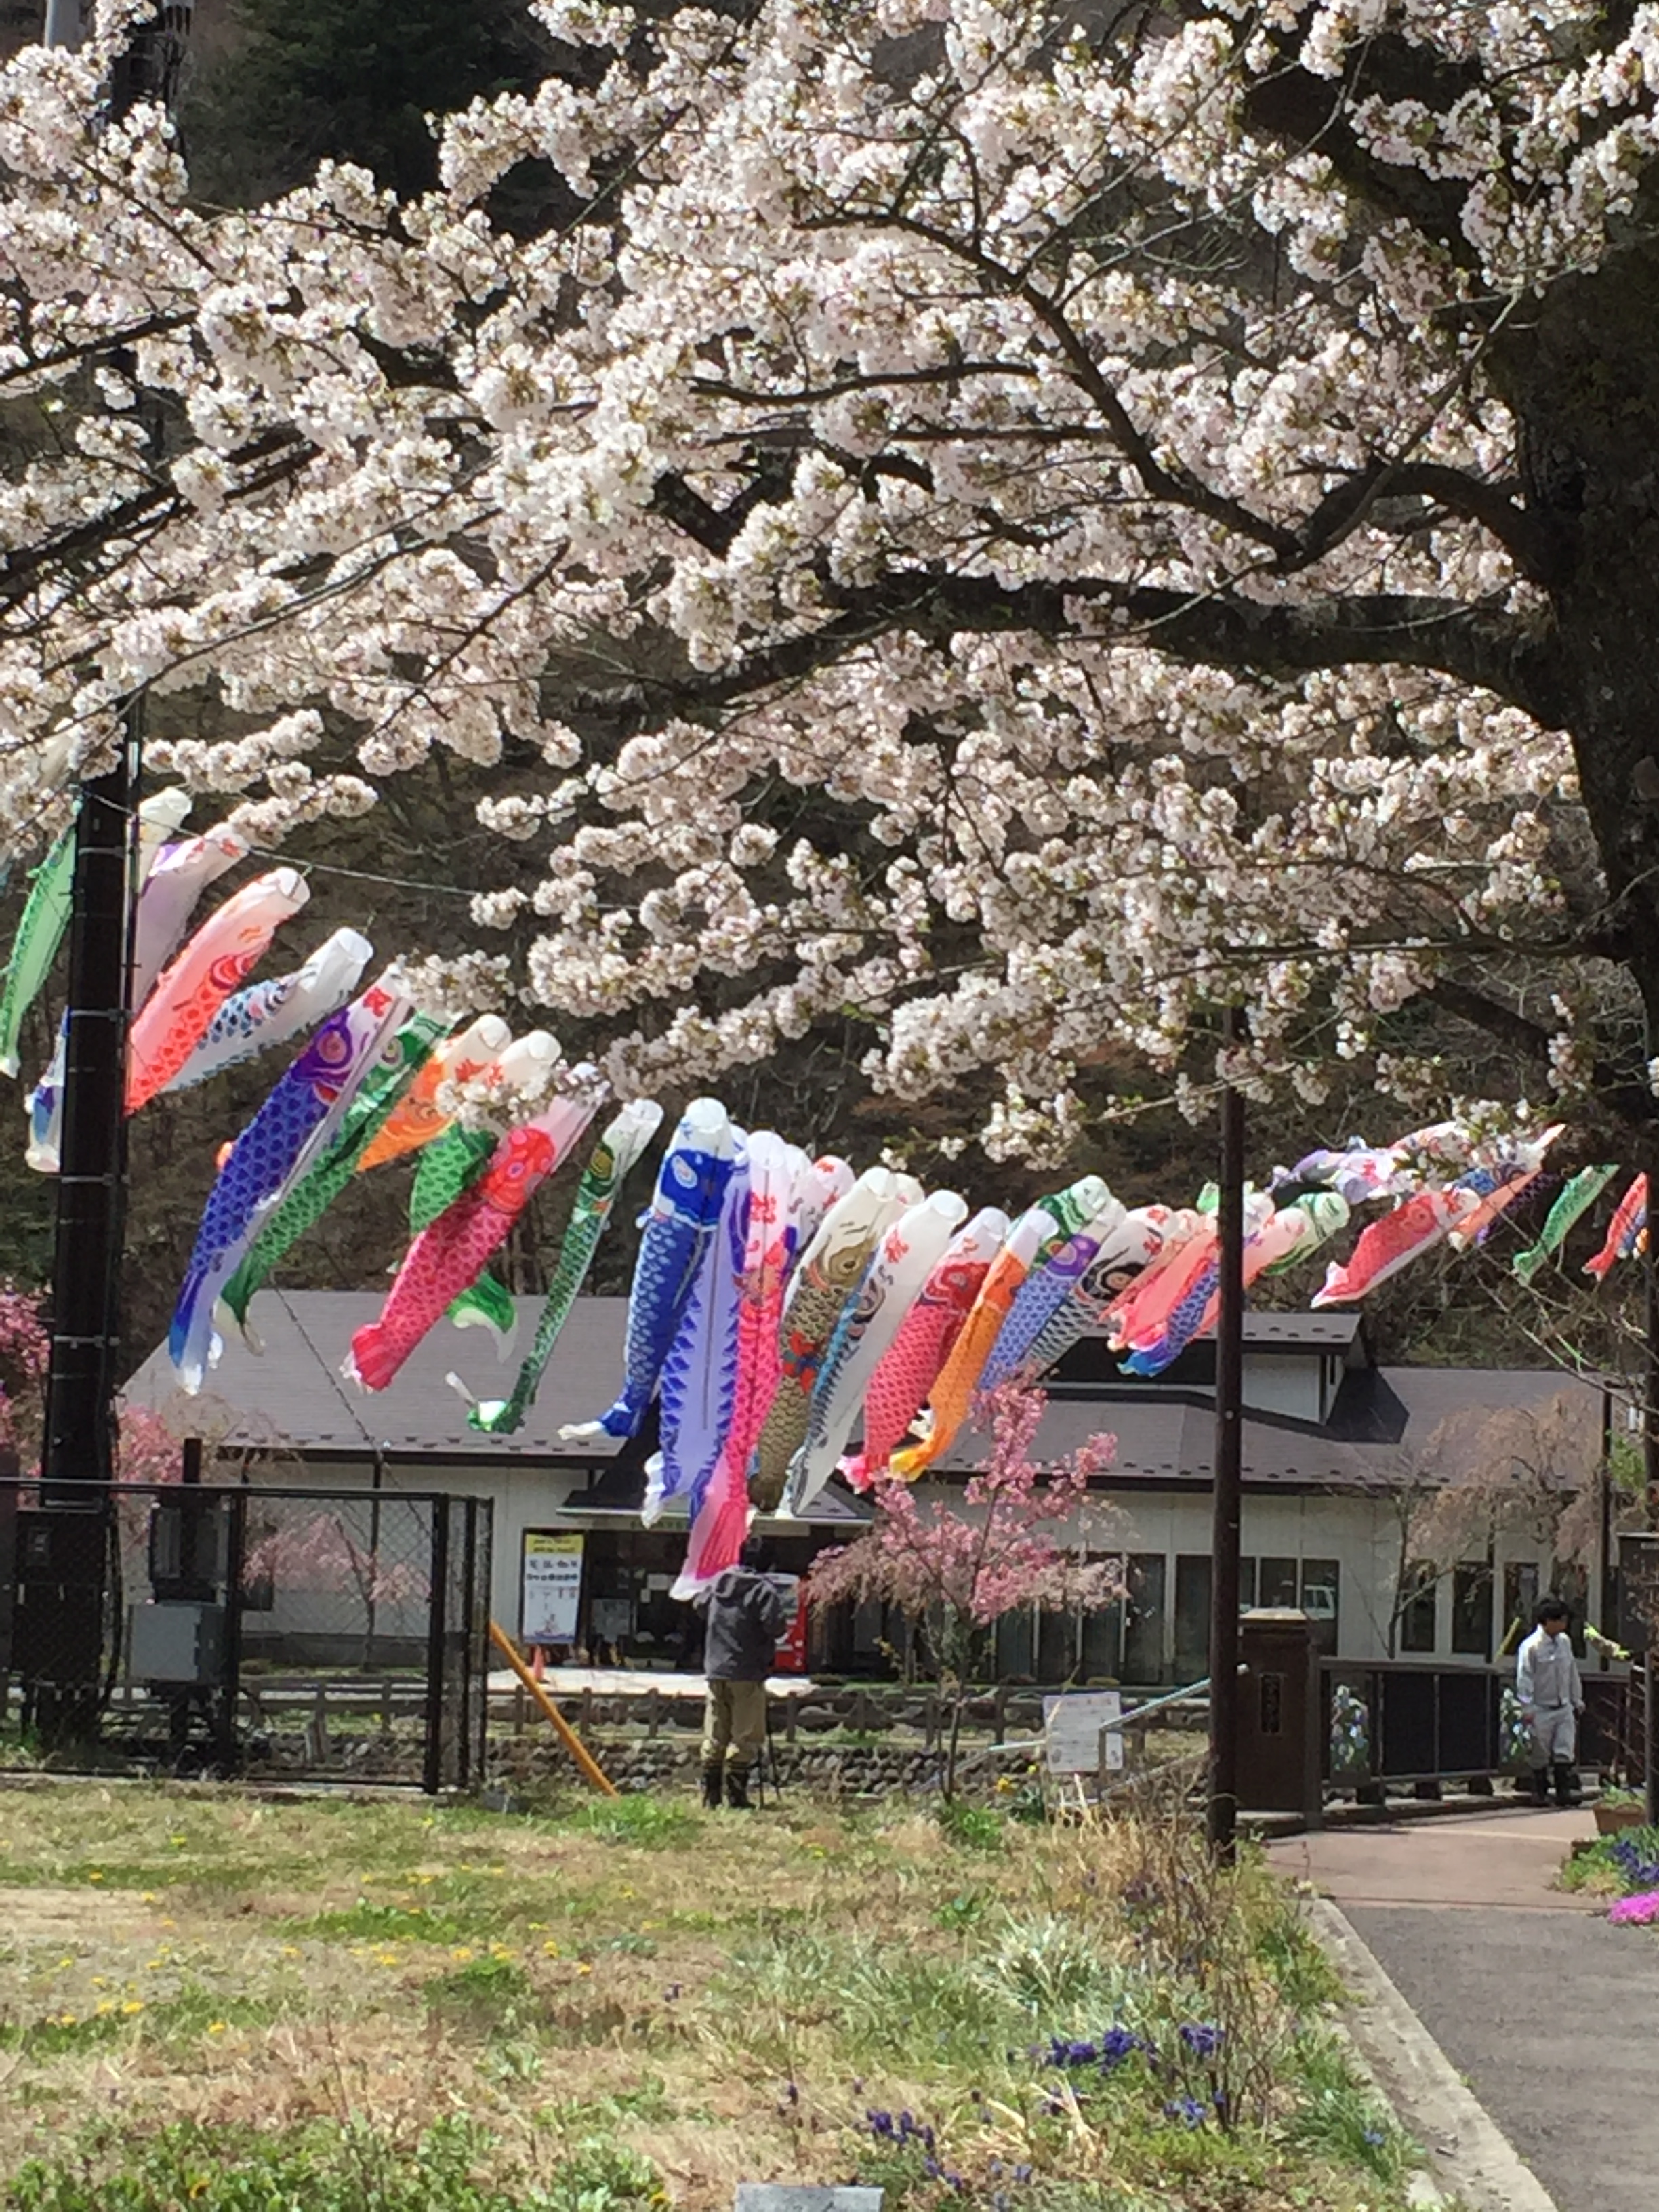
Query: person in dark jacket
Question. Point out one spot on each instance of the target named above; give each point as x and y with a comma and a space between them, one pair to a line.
745, 1612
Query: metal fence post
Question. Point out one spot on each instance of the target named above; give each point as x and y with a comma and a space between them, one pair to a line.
432, 1774
231, 1684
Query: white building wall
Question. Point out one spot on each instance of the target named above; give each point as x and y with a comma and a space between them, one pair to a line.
1361, 1533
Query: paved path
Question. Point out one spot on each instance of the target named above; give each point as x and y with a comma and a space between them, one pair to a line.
1547, 2011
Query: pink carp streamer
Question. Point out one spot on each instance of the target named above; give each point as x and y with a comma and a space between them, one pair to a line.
952, 1395
910, 1366
172, 889
894, 1276
1629, 1218
828, 1274
1414, 1227
447, 1254
1179, 1229
782, 1184
217, 961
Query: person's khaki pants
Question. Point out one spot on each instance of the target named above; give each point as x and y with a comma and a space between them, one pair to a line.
734, 1724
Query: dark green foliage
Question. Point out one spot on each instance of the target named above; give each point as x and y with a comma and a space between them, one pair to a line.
350, 80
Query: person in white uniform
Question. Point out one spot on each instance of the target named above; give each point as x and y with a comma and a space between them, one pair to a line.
1552, 1697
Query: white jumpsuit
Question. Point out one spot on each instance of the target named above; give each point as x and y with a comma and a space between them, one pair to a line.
1552, 1697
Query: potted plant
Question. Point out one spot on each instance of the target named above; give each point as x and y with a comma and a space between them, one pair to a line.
1620, 1808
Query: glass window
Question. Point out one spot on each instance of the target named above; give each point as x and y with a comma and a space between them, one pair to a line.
1472, 1608
1418, 1614
1192, 1618
1057, 1637
1278, 1582
1571, 1583
1520, 1599
1322, 1599
1246, 1585
1143, 1634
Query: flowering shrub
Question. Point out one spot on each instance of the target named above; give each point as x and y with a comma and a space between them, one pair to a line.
958, 1565
1351, 1734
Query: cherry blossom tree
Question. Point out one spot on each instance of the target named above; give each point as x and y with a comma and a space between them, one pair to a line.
147, 1451
955, 1565
1532, 1475
1010, 525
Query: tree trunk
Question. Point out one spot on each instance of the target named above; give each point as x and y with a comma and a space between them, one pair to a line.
958, 1700
1581, 372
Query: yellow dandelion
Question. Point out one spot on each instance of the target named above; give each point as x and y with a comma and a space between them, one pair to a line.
290, 1950
106, 2005
66, 2019
177, 1841
133, 2005
462, 1951
550, 1950
65, 1962
536, 1927
216, 2027
99, 1981
583, 1968
95, 1875
147, 1897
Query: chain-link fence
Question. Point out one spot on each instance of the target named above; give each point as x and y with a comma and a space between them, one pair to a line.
199, 1628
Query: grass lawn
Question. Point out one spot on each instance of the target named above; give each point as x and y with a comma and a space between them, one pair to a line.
210, 2001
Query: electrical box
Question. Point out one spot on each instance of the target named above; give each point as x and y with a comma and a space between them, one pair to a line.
177, 1641
57, 1617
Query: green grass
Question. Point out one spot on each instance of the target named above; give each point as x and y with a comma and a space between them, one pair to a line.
326, 2166
603, 1983
649, 1823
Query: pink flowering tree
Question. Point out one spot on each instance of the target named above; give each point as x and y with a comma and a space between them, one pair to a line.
25, 1348
147, 1451
323, 1555
956, 1565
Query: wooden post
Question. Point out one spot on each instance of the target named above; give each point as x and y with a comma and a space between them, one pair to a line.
588, 1765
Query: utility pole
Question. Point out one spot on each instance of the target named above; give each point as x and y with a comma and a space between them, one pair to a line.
1650, 1459
1223, 1820
79, 1445
78, 1456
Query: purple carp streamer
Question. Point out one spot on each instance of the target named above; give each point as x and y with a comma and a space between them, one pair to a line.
297, 1119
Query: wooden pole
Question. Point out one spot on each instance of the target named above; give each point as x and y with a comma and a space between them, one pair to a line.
591, 1769
1223, 1820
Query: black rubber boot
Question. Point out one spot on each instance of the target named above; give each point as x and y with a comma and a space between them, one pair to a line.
1567, 1788
712, 1779
1540, 1785
737, 1789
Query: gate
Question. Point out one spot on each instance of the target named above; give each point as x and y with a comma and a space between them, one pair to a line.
193, 1628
